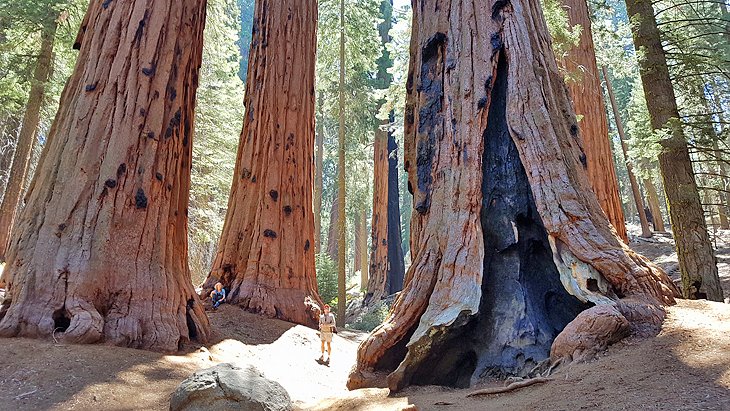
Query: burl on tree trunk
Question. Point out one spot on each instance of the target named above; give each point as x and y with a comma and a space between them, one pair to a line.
510, 243
265, 257
100, 251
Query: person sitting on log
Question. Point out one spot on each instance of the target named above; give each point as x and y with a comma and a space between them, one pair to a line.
218, 295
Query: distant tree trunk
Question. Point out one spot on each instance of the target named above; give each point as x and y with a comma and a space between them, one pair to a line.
332, 230
510, 243
694, 249
357, 266
9, 140
341, 250
396, 265
26, 138
318, 185
722, 196
588, 103
378, 276
653, 200
107, 208
638, 199
265, 255
386, 260
363, 246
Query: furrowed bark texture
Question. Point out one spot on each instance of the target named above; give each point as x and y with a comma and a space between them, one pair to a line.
341, 217
396, 264
697, 262
509, 241
319, 159
265, 257
653, 200
378, 274
26, 139
100, 251
588, 103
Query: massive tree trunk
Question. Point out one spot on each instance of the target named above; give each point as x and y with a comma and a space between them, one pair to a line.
694, 249
653, 200
26, 138
265, 256
588, 103
100, 249
341, 250
509, 241
386, 260
318, 185
638, 200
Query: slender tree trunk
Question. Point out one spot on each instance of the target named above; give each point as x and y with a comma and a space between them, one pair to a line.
341, 250
510, 243
363, 246
588, 102
26, 139
318, 185
358, 233
332, 230
109, 200
696, 257
653, 200
638, 200
265, 255
722, 196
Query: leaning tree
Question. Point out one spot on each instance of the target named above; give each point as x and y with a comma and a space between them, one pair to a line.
509, 242
266, 252
99, 252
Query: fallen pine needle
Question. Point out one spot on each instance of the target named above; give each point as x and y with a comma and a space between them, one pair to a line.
514, 386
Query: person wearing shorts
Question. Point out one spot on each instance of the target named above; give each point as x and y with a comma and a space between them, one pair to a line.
326, 329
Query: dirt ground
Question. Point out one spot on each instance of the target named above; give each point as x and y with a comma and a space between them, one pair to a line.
686, 367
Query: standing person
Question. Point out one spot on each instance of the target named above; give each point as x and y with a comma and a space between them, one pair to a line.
218, 295
326, 329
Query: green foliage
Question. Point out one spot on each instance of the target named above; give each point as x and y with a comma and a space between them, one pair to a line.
372, 318
218, 123
326, 278
563, 35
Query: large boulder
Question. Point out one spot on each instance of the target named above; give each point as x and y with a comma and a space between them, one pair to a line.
227, 386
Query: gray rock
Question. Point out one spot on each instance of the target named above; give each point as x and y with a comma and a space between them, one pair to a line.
230, 387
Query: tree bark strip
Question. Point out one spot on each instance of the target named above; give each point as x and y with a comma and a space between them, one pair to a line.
396, 264
638, 200
318, 185
694, 250
265, 256
486, 107
109, 200
378, 273
11, 202
653, 200
588, 102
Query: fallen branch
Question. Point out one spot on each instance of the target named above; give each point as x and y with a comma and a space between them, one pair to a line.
21, 396
514, 386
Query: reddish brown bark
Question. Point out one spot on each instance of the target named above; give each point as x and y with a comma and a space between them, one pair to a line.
109, 200
653, 200
694, 249
363, 246
265, 256
588, 103
506, 218
318, 164
26, 138
378, 273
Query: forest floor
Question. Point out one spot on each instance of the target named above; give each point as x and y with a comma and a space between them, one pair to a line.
686, 367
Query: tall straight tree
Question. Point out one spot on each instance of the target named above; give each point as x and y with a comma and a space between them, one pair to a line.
265, 256
318, 185
100, 249
509, 242
386, 258
341, 218
645, 230
588, 104
697, 262
653, 200
27, 136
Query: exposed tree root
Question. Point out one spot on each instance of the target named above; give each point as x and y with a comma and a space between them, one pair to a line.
514, 386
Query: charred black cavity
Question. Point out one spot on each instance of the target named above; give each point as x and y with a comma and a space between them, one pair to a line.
192, 328
396, 265
269, 233
111, 183
61, 320
524, 304
140, 199
274, 195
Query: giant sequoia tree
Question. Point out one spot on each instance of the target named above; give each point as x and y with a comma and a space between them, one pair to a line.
266, 252
100, 249
509, 241
588, 104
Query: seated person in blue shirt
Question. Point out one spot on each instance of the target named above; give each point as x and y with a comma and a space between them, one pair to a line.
218, 295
